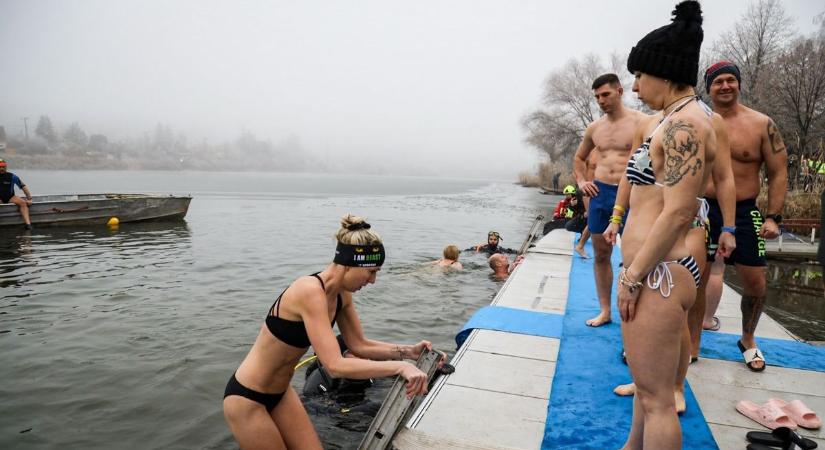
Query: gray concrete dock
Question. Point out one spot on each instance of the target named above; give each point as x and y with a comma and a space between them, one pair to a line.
498, 397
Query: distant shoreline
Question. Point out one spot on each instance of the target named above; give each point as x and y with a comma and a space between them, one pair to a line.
19, 163
61, 162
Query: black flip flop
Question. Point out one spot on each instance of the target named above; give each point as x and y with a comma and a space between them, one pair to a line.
782, 437
761, 447
764, 439
787, 435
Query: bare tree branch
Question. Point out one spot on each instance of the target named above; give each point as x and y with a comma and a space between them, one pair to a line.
755, 41
569, 106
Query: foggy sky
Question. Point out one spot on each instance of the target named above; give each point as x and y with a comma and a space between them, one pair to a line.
418, 84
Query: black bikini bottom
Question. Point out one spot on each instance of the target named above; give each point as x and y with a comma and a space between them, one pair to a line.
234, 387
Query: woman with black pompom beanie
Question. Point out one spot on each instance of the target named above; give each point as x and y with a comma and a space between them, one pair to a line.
665, 175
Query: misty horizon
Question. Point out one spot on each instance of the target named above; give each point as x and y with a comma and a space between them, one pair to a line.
427, 88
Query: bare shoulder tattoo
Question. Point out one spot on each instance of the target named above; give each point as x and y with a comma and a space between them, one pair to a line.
681, 151
777, 145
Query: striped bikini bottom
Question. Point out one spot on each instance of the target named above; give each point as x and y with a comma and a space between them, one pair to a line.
661, 278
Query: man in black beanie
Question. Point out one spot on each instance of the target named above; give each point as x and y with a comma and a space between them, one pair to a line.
754, 141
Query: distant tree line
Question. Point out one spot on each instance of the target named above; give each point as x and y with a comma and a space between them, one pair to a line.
783, 76
161, 149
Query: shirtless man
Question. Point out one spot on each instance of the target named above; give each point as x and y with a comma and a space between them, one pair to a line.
611, 136
754, 141
501, 266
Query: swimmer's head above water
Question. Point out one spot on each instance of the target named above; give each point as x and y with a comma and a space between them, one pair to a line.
493, 238
498, 261
451, 252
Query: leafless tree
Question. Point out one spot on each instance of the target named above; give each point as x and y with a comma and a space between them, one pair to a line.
796, 97
568, 106
755, 41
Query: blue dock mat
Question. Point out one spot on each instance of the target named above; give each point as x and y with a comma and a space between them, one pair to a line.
583, 411
778, 352
512, 320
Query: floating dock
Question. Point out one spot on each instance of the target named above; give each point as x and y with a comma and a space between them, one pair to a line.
537, 377
791, 249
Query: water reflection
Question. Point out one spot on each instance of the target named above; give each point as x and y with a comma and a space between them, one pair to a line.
795, 297
14, 250
51, 255
801, 278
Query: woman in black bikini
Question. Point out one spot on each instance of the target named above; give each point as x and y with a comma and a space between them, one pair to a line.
262, 409
658, 283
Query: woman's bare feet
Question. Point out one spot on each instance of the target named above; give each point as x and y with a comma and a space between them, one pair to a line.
625, 390
581, 252
601, 319
679, 397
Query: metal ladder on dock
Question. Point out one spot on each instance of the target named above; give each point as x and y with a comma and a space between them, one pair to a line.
397, 407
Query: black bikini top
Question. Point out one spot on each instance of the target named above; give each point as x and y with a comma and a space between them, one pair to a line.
293, 332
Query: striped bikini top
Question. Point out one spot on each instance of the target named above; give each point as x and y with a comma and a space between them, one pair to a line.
639, 168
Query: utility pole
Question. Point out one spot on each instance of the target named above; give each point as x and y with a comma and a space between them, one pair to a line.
26, 126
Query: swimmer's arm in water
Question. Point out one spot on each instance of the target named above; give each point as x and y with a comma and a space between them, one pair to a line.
316, 319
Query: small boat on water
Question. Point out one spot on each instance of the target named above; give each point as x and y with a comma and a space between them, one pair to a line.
96, 209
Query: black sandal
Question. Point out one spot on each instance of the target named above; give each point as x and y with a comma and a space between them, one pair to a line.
782, 437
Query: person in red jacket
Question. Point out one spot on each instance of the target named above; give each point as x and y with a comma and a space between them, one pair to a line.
561, 208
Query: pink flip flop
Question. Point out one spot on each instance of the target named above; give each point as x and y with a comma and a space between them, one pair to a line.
768, 414
798, 412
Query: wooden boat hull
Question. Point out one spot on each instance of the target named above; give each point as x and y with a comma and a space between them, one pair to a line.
97, 209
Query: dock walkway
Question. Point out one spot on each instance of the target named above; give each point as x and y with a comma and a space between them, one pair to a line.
502, 393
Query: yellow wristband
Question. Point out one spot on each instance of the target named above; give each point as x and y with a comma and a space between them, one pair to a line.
619, 208
616, 219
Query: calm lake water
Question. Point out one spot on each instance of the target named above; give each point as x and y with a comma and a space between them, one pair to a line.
795, 297
126, 338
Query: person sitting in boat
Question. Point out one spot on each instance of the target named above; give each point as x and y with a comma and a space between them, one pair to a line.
501, 265
8, 181
450, 258
259, 405
492, 247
